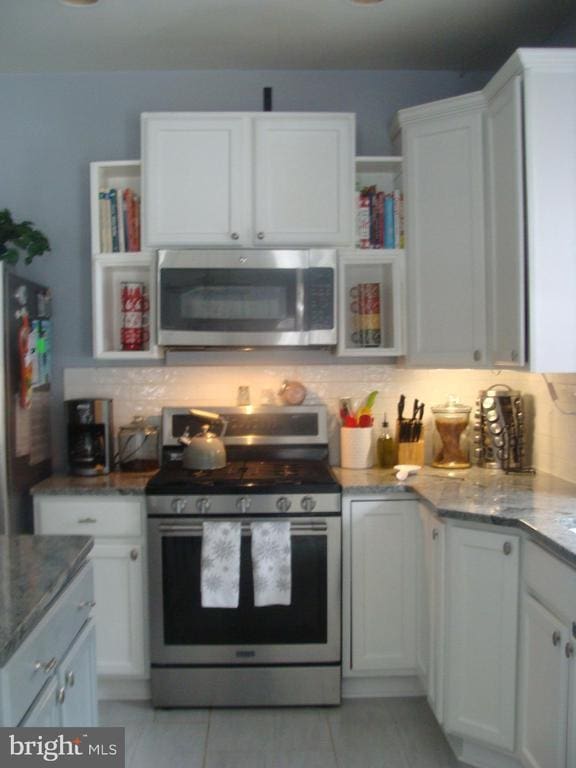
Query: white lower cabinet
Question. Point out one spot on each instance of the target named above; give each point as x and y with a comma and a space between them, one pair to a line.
119, 558
481, 635
69, 699
431, 608
380, 586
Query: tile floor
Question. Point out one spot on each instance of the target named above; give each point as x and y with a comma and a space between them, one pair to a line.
362, 733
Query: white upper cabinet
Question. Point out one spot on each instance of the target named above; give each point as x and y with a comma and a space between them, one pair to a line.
237, 179
195, 174
444, 191
531, 154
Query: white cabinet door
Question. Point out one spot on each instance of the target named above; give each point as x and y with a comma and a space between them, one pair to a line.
45, 712
444, 193
383, 585
118, 586
77, 680
195, 179
544, 677
431, 610
505, 218
304, 179
481, 636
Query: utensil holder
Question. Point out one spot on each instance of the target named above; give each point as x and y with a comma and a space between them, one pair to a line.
356, 451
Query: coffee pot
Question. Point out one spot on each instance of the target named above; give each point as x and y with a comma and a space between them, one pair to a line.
205, 450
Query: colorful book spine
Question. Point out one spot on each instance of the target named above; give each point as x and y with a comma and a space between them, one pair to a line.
389, 221
104, 210
114, 220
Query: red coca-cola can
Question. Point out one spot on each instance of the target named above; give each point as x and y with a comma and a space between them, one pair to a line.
131, 339
131, 297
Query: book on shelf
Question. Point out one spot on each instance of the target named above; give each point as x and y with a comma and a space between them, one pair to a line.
119, 213
380, 218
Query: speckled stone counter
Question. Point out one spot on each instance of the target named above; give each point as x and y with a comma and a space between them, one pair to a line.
540, 504
116, 483
34, 570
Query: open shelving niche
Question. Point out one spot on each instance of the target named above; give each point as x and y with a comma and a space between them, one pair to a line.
385, 266
111, 269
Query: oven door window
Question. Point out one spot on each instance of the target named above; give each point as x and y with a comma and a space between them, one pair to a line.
257, 300
187, 623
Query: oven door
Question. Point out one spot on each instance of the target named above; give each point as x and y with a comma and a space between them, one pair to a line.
183, 632
246, 298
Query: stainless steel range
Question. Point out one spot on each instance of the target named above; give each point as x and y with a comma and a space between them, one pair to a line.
257, 652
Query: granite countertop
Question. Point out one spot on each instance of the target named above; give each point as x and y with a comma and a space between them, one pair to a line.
115, 483
540, 504
34, 570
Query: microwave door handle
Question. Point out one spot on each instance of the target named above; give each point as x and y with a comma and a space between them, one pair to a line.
300, 299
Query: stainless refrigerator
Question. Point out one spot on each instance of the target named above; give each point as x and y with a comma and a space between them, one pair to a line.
25, 442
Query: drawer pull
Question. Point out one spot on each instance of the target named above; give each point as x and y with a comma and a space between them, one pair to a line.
87, 520
70, 679
86, 604
134, 554
507, 548
435, 533
46, 666
556, 637
569, 650
61, 695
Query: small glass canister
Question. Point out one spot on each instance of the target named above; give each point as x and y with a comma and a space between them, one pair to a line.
451, 443
138, 446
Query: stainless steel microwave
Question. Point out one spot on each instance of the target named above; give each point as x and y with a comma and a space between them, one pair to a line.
247, 298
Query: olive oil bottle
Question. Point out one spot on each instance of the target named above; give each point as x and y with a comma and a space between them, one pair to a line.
386, 447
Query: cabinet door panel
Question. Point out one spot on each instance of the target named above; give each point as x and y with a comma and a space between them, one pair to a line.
482, 635
506, 247
445, 240
194, 176
543, 688
118, 579
45, 712
77, 675
304, 180
383, 579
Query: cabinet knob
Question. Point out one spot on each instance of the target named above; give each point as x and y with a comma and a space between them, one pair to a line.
477, 355
85, 520
514, 355
61, 695
235, 236
46, 666
569, 650
507, 548
556, 638
134, 554
260, 235
70, 679
435, 533
86, 604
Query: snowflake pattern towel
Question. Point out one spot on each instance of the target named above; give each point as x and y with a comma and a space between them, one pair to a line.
271, 563
220, 564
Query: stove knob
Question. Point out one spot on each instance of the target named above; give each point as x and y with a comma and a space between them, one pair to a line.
283, 504
178, 506
308, 504
243, 504
203, 505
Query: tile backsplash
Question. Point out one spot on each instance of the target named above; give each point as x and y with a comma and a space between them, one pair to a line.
144, 391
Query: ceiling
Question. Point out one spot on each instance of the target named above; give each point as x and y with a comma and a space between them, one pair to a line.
48, 36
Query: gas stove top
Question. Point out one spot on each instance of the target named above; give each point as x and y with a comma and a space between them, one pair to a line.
254, 477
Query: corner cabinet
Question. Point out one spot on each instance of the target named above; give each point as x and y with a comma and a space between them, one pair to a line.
241, 179
442, 147
117, 258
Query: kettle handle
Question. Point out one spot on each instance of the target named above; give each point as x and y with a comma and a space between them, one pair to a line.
210, 415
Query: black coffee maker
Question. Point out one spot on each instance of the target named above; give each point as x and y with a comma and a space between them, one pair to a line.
89, 436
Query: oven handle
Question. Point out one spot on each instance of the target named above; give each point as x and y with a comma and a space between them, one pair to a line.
196, 528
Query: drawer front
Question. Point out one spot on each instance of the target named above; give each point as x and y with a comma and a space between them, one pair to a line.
551, 581
35, 661
86, 516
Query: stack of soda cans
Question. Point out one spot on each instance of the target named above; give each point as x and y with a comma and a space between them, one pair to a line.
135, 329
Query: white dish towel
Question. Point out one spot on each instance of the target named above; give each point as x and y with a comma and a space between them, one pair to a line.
220, 582
272, 563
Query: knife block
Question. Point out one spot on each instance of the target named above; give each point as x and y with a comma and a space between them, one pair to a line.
410, 452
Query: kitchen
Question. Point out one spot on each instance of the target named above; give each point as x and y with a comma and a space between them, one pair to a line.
208, 379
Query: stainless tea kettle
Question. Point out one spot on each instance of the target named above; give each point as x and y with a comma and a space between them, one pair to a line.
205, 450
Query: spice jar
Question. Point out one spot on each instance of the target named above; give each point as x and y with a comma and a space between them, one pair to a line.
138, 446
451, 445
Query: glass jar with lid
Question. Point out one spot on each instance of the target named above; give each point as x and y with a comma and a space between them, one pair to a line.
138, 446
451, 443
